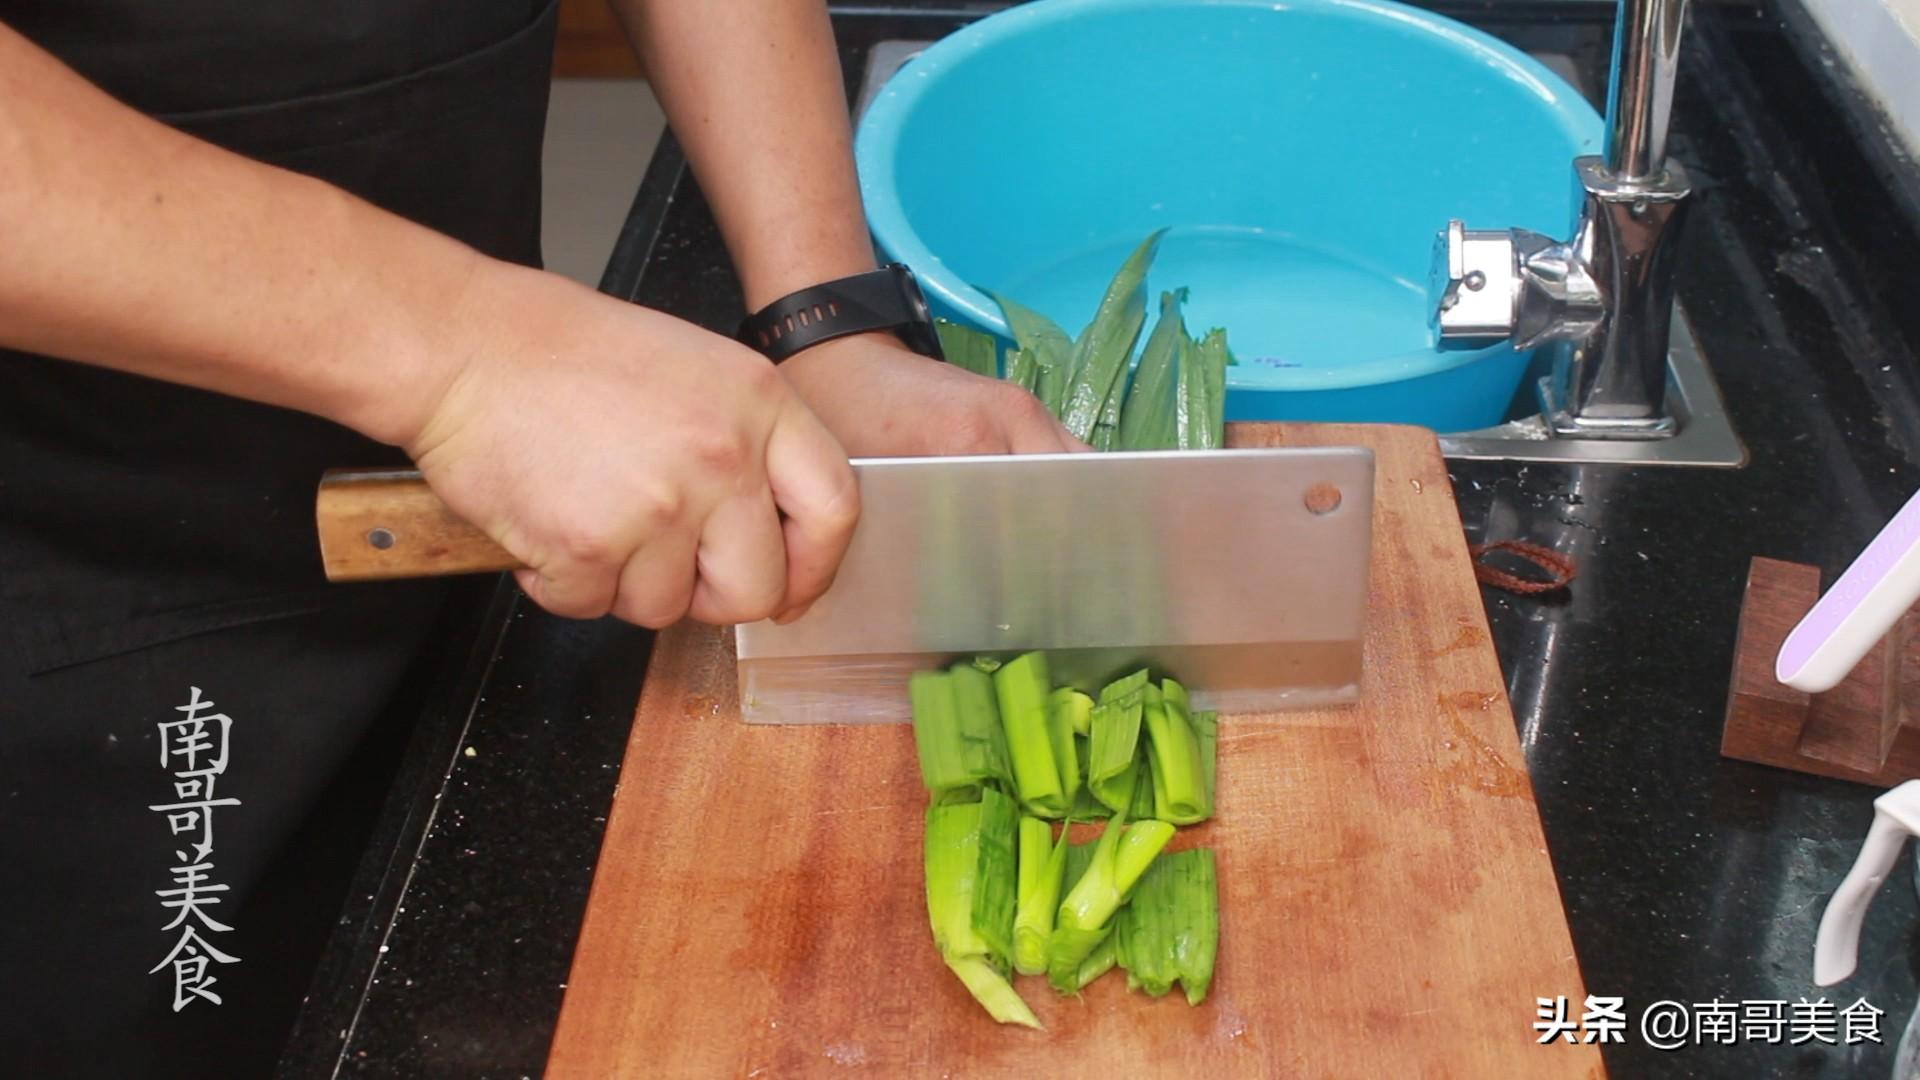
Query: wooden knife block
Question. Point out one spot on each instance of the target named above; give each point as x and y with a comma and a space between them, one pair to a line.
1860, 730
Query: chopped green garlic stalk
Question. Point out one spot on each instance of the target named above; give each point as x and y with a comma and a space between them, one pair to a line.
979, 717
1042, 865
1120, 856
1121, 688
1143, 790
995, 880
1098, 962
1112, 768
1060, 728
1077, 706
1179, 775
958, 749
992, 990
954, 866
1170, 930
1022, 689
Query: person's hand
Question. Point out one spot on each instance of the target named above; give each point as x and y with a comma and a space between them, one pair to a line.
634, 462
880, 399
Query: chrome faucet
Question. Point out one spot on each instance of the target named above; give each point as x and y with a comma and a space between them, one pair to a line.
1601, 303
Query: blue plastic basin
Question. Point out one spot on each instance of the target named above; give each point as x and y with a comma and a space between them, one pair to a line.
1304, 153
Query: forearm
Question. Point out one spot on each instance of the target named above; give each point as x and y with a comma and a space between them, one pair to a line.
753, 91
132, 246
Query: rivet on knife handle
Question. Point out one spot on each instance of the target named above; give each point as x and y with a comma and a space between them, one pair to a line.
383, 524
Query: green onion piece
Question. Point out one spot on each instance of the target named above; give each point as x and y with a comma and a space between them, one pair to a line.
936, 731
1086, 806
1214, 351
1162, 808
1179, 776
1148, 421
1100, 961
1170, 930
1101, 353
1138, 848
1078, 707
995, 881
1207, 726
1185, 407
958, 751
980, 726
1200, 397
956, 796
1122, 854
992, 990
1206, 730
952, 869
1079, 857
1023, 370
1173, 693
1196, 943
1062, 970
1111, 769
1061, 726
1143, 801
1043, 865
1021, 687
1120, 688
1072, 949
1142, 934
1051, 348
969, 349
1200, 400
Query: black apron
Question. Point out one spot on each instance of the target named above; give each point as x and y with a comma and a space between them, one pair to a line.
156, 539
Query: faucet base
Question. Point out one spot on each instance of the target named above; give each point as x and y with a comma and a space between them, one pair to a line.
1705, 436
1565, 425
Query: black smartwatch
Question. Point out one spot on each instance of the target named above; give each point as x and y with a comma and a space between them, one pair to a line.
885, 299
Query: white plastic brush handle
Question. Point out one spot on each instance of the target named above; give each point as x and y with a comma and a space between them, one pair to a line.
1896, 816
1880, 586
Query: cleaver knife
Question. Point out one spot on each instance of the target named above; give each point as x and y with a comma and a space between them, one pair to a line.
1242, 573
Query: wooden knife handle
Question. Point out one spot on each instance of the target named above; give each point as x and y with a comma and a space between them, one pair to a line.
379, 525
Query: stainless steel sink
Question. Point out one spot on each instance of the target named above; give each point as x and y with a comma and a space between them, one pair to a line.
1704, 435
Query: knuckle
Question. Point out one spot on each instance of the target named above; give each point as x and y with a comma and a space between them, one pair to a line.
589, 541
719, 450
975, 430
660, 508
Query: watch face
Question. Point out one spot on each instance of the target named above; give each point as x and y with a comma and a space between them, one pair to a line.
910, 288
919, 333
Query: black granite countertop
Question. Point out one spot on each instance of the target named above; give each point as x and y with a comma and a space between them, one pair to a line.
1685, 876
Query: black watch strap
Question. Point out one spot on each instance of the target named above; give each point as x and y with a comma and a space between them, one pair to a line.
884, 299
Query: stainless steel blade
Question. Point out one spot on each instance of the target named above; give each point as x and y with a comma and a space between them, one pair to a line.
1243, 573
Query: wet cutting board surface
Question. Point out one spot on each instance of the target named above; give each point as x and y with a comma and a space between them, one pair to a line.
1387, 905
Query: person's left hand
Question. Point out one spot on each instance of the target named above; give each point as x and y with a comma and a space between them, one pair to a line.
881, 399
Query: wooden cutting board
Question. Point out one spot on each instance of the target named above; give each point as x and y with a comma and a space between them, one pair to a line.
1387, 905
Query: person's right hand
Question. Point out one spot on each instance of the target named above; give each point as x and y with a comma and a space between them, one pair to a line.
634, 462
